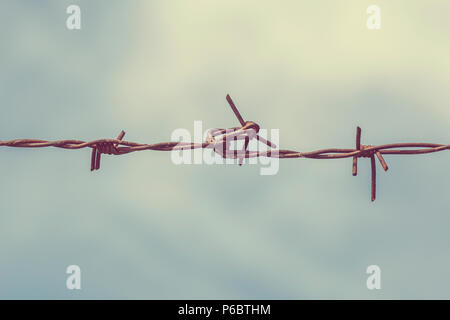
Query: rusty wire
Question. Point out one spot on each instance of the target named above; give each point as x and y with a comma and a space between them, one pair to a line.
219, 141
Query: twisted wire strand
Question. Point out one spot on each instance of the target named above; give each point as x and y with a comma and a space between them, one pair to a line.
331, 153
219, 141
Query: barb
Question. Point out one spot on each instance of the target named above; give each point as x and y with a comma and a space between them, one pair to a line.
219, 140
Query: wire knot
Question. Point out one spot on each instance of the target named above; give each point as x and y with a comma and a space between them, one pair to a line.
367, 151
247, 131
220, 139
105, 147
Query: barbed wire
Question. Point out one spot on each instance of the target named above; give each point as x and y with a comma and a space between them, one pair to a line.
219, 141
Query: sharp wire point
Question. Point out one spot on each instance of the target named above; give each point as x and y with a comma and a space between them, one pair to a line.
235, 110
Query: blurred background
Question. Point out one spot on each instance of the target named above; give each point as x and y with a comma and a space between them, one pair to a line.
144, 228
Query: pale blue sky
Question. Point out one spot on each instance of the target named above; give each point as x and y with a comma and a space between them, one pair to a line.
142, 227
